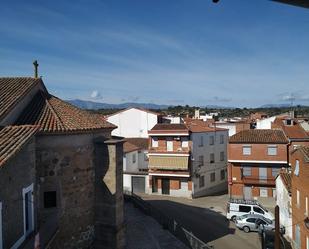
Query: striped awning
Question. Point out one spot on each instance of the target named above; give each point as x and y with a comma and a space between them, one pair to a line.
169, 162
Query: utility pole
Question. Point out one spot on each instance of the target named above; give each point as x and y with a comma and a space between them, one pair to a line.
277, 228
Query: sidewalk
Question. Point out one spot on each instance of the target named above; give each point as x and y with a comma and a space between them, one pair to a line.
143, 232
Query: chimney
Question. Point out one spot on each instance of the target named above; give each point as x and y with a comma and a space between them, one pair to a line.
36, 65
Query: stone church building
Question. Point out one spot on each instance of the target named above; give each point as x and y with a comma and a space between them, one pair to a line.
60, 172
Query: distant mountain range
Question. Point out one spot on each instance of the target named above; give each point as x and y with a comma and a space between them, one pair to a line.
285, 105
84, 104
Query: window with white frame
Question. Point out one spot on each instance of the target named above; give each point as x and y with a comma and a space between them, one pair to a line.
169, 144
297, 198
272, 150
296, 171
154, 142
184, 142
307, 242
221, 139
306, 206
246, 171
211, 140
246, 150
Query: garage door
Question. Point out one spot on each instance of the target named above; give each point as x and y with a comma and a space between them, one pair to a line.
138, 184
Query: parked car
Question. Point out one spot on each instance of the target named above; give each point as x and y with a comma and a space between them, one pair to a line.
256, 223
238, 207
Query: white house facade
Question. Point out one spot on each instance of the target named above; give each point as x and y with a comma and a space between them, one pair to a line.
135, 165
133, 122
283, 200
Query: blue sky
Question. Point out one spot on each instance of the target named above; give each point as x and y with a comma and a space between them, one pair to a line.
235, 53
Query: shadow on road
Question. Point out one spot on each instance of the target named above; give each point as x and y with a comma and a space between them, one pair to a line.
206, 224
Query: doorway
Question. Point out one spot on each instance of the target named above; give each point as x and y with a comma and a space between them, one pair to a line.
28, 210
165, 186
1, 243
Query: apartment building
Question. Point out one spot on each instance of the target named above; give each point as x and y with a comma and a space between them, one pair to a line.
255, 159
300, 196
187, 159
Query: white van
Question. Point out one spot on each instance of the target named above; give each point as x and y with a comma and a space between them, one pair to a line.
236, 207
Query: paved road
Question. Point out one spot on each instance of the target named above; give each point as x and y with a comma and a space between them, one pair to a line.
205, 218
143, 232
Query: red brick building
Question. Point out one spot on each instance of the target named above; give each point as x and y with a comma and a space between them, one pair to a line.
169, 164
255, 157
300, 194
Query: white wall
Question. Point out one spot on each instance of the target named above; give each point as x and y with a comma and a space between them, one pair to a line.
283, 200
265, 123
208, 168
140, 163
230, 126
127, 182
133, 123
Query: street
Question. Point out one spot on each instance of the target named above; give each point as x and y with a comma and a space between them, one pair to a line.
205, 217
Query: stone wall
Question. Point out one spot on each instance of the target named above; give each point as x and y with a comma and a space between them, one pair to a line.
65, 164
16, 174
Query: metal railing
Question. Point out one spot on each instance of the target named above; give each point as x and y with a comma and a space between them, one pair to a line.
167, 222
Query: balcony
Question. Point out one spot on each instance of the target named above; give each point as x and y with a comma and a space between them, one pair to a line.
160, 150
168, 162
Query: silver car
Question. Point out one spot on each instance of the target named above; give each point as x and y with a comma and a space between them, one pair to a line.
256, 223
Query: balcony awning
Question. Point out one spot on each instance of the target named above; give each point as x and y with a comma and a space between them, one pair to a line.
169, 162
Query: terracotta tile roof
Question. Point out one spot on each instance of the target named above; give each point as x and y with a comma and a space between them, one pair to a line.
13, 89
259, 136
286, 179
198, 125
12, 138
170, 127
141, 143
294, 131
55, 115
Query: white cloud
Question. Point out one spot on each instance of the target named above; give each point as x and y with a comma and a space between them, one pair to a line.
96, 94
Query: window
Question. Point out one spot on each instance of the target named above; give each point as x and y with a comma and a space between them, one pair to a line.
246, 171
296, 171
222, 156
272, 150
222, 173
50, 199
297, 198
184, 142
201, 160
263, 192
275, 171
244, 209
169, 144
297, 237
307, 242
212, 177
260, 221
306, 206
201, 141
251, 220
211, 140
154, 142
246, 150
134, 158
258, 210
221, 139
145, 156
202, 181
212, 157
